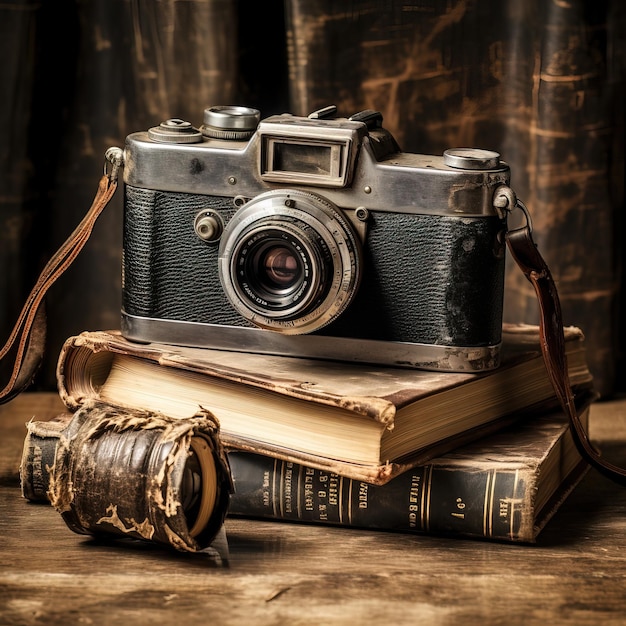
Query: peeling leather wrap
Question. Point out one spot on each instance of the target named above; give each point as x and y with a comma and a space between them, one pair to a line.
124, 473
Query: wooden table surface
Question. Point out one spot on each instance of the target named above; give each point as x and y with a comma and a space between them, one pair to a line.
295, 574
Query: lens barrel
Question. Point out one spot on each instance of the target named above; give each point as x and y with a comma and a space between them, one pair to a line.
141, 475
290, 261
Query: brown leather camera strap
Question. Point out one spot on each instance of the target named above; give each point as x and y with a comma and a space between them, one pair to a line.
532, 264
29, 333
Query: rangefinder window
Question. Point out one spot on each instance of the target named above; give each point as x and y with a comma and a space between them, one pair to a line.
306, 159
305, 162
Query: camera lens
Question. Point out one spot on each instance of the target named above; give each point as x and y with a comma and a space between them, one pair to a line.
280, 267
141, 475
289, 261
275, 269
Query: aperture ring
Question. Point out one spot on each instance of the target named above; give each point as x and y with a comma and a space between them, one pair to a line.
337, 259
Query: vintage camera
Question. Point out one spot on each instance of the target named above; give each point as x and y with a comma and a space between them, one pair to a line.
312, 236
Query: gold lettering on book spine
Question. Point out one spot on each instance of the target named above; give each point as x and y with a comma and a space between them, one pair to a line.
322, 496
341, 480
287, 499
414, 499
37, 470
308, 489
266, 490
509, 506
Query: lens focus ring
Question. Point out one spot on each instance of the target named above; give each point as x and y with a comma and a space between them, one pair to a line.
290, 261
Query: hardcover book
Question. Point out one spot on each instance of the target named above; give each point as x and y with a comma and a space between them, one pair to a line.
364, 422
505, 487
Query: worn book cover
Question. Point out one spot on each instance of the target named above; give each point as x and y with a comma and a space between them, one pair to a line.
504, 487
366, 422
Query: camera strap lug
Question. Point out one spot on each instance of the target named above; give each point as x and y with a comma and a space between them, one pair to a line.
115, 157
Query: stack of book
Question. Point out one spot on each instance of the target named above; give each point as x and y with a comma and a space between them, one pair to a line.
486, 455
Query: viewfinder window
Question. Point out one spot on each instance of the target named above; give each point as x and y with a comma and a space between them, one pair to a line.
302, 158
310, 162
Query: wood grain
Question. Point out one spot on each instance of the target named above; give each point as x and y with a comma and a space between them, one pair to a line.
297, 574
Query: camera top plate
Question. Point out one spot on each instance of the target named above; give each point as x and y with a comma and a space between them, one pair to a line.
356, 166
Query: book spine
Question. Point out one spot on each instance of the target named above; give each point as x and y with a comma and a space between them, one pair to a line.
434, 499
40, 445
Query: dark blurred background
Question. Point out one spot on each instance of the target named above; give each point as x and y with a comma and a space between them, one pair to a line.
540, 82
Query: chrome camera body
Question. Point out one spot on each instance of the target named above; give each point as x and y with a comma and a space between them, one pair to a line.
312, 236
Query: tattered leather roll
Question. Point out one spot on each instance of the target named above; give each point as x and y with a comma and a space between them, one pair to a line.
140, 474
